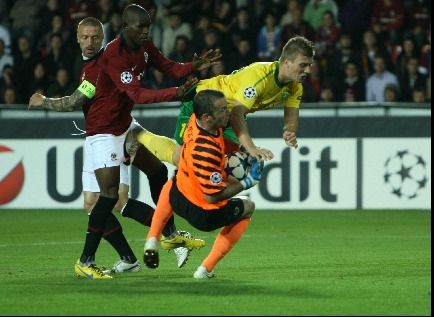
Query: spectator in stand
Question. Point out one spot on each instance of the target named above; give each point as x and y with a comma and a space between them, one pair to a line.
104, 10
269, 39
57, 27
112, 28
408, 51
182, 52
203, 24
326, 36
378, 81
46, 14
8, 79
57, 57
243, 27
351, 87
212, 42
354, 17
291, 5
25, 60
10, 96
419, 95
387, 19
76, 10
327, 94
243, 56
5, 36
342, 54
314, 10
297, 27
370, 49
62, 86
425, 55
156, 30
24, 17
411, 79
223, 13
419, 20
177, 27
5, 59
391, 93
39, 80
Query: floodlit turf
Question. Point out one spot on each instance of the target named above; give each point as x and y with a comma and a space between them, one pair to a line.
288, 263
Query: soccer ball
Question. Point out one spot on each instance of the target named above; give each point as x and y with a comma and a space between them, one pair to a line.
405, 174
237, 164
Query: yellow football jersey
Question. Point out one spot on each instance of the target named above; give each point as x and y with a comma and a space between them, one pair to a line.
255, 86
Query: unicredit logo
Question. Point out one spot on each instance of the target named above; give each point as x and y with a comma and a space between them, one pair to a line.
11, 175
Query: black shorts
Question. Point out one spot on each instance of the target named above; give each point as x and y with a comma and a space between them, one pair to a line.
205, 220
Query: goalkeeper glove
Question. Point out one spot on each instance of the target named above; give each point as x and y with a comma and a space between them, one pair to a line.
254, 175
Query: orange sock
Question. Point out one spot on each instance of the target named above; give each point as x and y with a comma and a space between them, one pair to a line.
162, 212
224, 242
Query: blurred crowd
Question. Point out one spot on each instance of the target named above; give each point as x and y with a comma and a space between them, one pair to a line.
366, 50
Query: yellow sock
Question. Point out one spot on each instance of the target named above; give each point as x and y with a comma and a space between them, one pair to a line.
162, 147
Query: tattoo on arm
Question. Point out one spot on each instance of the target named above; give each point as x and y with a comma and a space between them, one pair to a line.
65, 104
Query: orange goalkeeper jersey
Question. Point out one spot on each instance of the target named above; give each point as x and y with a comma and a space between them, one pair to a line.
201, 166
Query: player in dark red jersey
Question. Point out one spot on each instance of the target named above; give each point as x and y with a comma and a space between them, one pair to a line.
79, 97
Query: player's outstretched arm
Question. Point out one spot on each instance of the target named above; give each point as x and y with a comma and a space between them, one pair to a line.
63, 104
184, 88
206, 60
290, 127
239, 124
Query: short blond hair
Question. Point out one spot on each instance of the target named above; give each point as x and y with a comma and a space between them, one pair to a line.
298, 45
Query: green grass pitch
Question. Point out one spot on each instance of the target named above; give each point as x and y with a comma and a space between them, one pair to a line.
287, 263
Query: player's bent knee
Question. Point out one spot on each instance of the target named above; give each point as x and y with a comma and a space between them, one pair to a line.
89, 201
122, 201
249, 208
176, 154
123, 197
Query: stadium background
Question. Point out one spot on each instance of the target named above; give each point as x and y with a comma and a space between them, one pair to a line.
40, 54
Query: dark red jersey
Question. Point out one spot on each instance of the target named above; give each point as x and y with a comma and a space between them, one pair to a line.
118, 87
90, 73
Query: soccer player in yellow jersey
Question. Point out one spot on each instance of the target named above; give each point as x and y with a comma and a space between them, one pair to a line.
259, 86
201, 191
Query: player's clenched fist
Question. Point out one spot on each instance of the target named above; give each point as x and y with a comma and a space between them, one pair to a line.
36, 100
290, 138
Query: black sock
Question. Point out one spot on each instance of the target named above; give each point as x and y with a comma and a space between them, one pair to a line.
114, 235
139, 211
142, 213
95, 227
156, 183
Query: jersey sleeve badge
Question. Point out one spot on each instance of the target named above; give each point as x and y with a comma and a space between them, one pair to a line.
250, 92
216, 178
126, 77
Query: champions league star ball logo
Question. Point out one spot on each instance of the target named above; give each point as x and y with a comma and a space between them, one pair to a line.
250, 92
405, 174
126, 77
11, 175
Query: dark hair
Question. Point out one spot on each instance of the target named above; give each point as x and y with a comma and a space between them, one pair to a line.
298, 45
133, 12
204, 100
